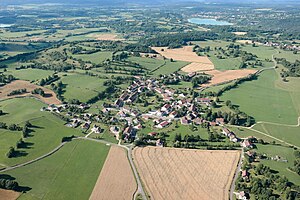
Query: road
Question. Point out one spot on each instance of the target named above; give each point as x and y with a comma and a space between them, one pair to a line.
237, 171
34, 160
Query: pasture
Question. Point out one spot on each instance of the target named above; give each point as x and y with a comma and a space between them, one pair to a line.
96, 58
288, 55
70, 173
81, 87
44, 136
170, 173
30, 74
169, 67
263, 100
116, 180
289, 134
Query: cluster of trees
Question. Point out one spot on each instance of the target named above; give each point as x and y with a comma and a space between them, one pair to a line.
5, 79
293, 69
11, 152
16, 92
49, 80
296, 167
39, 91
200, 80
11, 127
8, 184
120, 56
58, 89
178, 39
26, 129
107, 93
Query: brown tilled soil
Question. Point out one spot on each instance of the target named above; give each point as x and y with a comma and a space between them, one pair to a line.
183, 54
171, 174
116, 180
8, 194
229, 75
50, 97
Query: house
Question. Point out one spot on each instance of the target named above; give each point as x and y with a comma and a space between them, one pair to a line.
173, 114
166, 107
198, 121
246, 144
159, 143
243, 195
138, 127
205, 101
212, 123
130, 131
163, 124
220, 121
245, 174
233, 138
153, 134
96, 129
119, 103
226, 132
184, 121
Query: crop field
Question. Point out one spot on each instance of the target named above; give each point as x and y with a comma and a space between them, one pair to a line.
30, 74
81, 87
43, 136
50, 96
116, 180
96, 58
70, 173
229, 75
170, 173
9, 194
263, 100
288, 134
186, 54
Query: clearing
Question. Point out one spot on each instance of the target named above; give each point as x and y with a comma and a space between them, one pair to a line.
50, 96
170, 173
116, 180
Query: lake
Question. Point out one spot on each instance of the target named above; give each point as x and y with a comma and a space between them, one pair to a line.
5, 25
204, 21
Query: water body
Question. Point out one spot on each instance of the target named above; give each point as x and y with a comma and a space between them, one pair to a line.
201, 21
5, 25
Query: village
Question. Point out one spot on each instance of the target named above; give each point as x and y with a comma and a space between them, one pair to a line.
126, 120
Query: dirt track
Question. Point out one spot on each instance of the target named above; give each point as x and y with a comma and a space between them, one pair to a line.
116, 180
8, 194
172, 174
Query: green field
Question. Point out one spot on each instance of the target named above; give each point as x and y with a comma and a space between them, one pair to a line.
70, 173
262, 100
286, 133
96, 58
170, 67
288, 55
148, 63
46, 134
30, 74
281, 167
81, 87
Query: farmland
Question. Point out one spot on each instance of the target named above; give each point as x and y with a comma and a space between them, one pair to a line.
48, 98
61, 174
166, 172
44, 136
261, 99
116, 179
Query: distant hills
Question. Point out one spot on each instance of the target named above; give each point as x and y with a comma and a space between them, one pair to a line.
150, 2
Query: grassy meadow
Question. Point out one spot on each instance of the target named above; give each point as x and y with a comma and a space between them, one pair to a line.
263, 100
30, 74
46, 134
70, 173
